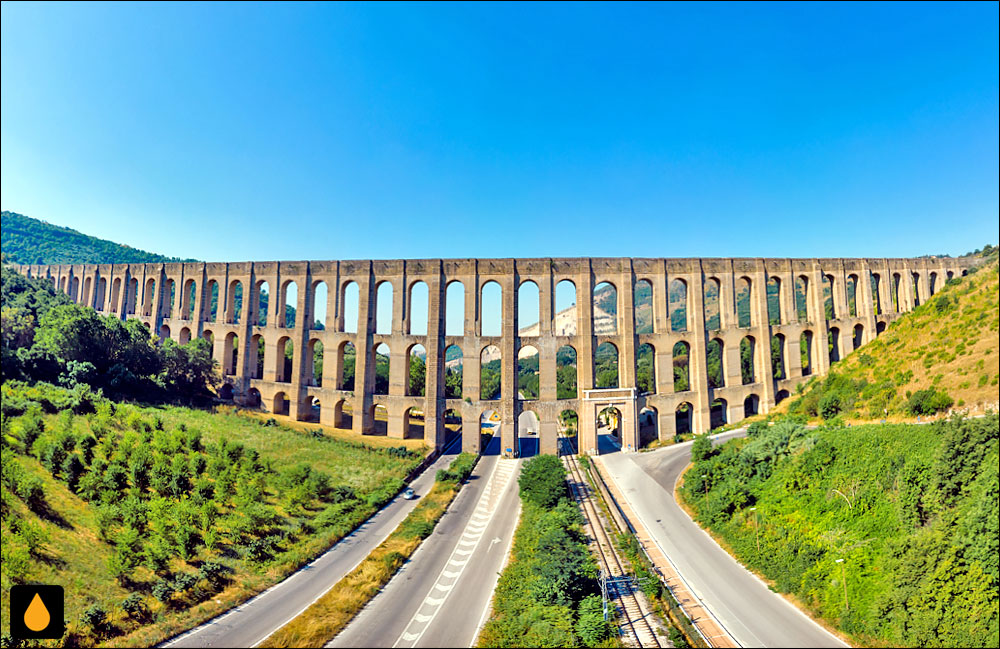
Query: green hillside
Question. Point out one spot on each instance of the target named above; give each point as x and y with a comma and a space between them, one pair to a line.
945, 353
25, 240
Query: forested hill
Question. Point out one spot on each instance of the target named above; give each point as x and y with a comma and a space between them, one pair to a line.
25, 240
946, 353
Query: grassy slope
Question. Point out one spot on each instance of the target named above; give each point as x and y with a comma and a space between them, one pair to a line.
30, 241
954, 348
74, 557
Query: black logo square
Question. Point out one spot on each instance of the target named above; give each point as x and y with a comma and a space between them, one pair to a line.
36, 612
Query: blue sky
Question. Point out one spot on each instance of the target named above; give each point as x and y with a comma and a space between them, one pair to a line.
345, 131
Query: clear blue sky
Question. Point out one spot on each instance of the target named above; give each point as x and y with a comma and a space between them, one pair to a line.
337, 131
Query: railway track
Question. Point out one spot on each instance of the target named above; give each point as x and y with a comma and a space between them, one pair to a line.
635, 623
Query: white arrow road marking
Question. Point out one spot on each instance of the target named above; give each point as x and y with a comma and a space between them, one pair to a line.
493, 542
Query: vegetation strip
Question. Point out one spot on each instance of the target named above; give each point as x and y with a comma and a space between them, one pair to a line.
328, 616
548, 594
888, 532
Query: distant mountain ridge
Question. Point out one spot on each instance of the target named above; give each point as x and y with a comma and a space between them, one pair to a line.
26, 240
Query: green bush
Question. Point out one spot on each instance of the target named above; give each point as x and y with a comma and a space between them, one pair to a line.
928, 402
757, 428
701, 449
543, 481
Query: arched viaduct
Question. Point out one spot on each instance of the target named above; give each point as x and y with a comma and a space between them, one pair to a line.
187, 300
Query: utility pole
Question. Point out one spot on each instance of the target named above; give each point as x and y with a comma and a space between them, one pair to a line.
843, 578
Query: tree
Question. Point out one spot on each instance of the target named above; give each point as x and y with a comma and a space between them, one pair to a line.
701, 449
543, 481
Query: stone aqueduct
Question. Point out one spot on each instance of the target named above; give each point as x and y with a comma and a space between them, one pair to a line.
126, 290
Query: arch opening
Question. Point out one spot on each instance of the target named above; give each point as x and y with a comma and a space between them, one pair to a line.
681, 354
489, 373
805, 352
649, 426
381, 362
527, 433
417, 309
645, 369
568, 441
454, 305
528, 302
778, 357
232, 352
527, 373
416, 371
453, 372
859, 331
280, 405
288, 309
743, 312
609, 430
347, 357
347, 316
774, 301
261, 303
751, 405
234, 304
605, 313
314, 356
566, 373
383, 308
318, 309
413, 423
713, 317
714, 353
682, 420
565, 310
491, 309
718, 415
852, 295
606, 366
642, 302
748, 360
380, 420
833, 344
678, 300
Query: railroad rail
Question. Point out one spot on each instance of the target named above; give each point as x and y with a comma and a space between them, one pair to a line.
635, 625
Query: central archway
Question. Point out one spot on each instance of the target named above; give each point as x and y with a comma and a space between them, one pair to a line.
609, 430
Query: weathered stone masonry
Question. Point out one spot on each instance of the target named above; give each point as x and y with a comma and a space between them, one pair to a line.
143, 291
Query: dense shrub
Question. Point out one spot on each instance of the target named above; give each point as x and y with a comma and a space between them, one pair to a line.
928, 402
543, 481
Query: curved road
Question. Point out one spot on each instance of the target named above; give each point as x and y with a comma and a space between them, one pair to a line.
753, 614
254, 620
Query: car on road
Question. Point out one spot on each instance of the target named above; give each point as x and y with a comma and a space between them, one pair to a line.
408, 494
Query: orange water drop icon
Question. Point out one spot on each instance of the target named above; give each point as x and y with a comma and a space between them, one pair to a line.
36, 617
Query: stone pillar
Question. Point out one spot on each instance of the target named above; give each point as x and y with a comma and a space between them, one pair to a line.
364, 369
587, 435
821, 349
627, 353
434, 392
763, 372
299, 403
866, 302
510, 405
698, 360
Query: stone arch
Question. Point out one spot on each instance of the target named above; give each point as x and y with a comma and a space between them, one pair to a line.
780, 396
416, 370
256, 357
188, 298
314, 412
566, 373
413, 423
167, 298
528, 309
383, 307
231, 354
234, 302
859, 331
527, 373
833, 344
283, 358
87, 298
164, 332
490, 309
713, 315
879, 327
528, 427
774, 300
744, 295
683, 419
778, 369
801, 292
148, 297
116, 287
209, 337
417, 309
346, 360
101, 294
343, 414
489, 373
829, 304
609, 425
564, 317
319, 297
606, 374
718, 413
894, 292
62, 285
253, 398
645, 368
852, 295
489, 427
932, 282
454, 303
642, 302
260, 311
380, 419
681, 361
951, 275
454, 372
211, 306
452, 424
348, 314
568, 426
279, 404
314, 362
74, 288
226, 392
806, 352
649, 425
185, 335
876, 282
677, 304
715, 353
751, 405
915, 282
605, 309
382, 362
288, 304
748, 360
132, 296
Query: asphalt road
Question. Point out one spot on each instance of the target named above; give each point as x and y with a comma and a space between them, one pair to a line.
251, 622
743, 604
440, 597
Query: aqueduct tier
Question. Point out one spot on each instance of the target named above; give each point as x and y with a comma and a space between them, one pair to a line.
672, 344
